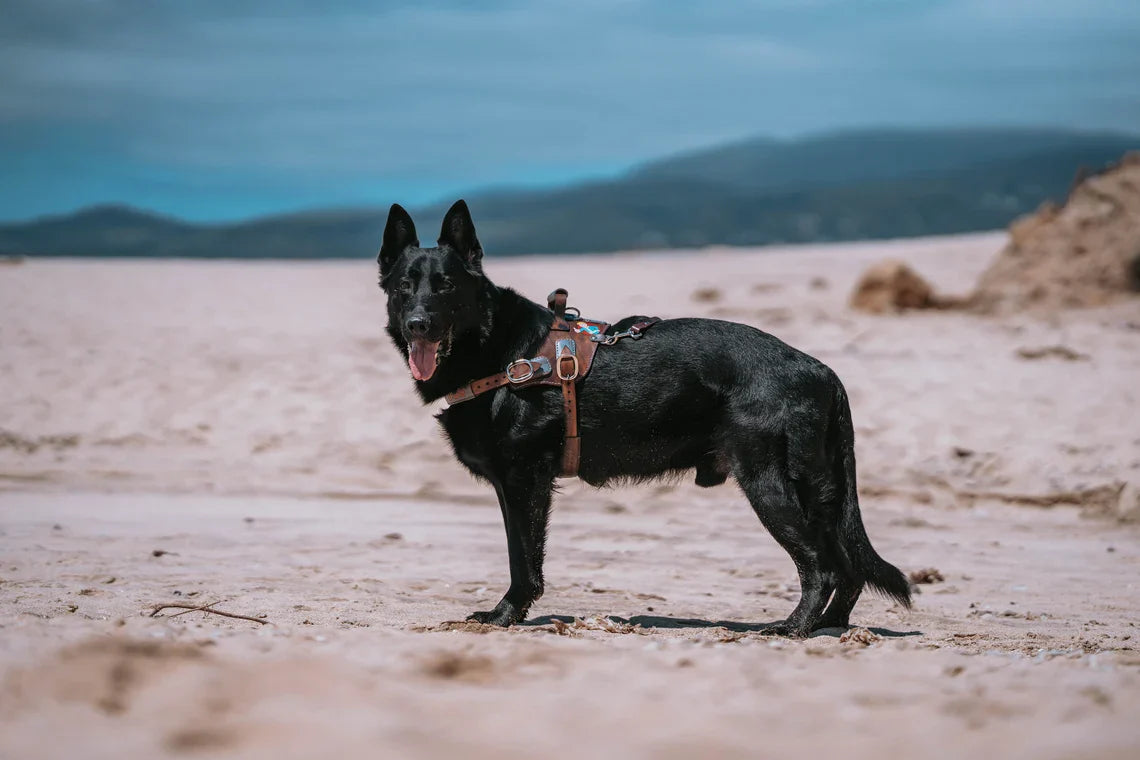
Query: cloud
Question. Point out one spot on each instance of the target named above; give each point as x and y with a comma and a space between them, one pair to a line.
374, 97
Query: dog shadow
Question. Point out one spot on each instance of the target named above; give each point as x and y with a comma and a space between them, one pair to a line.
673, 623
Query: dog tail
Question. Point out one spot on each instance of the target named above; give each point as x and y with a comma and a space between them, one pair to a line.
880, 574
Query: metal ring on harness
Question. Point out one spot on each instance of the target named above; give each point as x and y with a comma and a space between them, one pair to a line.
511, 377
572, 376
566, 348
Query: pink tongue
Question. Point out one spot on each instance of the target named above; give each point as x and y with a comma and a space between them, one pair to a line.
422, 358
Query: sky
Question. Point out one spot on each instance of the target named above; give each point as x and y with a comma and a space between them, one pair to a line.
218, 110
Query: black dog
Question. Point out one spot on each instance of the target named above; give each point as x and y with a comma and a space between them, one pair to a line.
720, 397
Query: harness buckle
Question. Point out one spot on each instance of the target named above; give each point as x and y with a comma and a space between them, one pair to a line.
573, 375
566, 348
536, 367
513, 378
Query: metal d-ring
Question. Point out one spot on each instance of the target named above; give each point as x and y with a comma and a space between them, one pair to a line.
529, 371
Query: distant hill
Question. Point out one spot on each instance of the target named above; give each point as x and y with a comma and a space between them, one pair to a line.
843, 186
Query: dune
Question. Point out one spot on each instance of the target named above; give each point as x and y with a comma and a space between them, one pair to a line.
1085, 252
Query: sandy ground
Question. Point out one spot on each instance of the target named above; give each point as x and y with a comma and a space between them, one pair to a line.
249, 423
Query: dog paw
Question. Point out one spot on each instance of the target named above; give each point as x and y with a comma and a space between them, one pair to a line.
504, 615
786, 629
490, 617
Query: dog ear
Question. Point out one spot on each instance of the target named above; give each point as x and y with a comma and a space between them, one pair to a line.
458, 233
399, 234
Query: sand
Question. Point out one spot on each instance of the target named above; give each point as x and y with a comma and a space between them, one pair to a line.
242, 434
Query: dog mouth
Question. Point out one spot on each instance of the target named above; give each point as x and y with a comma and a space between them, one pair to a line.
423, 358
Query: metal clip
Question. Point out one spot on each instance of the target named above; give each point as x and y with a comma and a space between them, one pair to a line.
608, 340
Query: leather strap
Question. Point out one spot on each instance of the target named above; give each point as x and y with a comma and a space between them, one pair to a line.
567, 367
520, 372
556, 302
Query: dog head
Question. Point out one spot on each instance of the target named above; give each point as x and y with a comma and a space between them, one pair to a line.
435, 295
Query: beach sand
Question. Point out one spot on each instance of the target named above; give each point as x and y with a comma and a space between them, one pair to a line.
243, 435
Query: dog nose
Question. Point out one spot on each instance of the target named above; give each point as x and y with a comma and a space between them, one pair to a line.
418, 326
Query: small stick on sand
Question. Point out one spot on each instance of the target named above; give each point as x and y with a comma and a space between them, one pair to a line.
195, 609
204, 608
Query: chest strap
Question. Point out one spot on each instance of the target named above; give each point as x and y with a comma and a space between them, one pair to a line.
563, 360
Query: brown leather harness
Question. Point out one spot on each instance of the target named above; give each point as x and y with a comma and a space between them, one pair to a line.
563, 360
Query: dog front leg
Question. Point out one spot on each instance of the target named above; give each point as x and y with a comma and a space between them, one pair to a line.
525, 502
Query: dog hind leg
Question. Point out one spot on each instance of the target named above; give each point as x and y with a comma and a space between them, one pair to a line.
838, 612
773, 497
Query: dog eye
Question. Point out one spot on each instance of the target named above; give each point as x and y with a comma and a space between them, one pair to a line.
406, 287
446, 286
